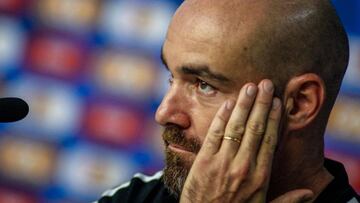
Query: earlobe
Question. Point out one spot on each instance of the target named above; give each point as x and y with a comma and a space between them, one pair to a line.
304, 96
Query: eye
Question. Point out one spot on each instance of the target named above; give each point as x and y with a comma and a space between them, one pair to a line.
171, 79
204, 88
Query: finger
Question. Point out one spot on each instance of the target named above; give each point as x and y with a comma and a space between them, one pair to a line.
256, 124
216, 130
295, 196
268, 145
236, 125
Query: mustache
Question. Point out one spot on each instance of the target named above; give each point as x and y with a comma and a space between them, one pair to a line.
173, 134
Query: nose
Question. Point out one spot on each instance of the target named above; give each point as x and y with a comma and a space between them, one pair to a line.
173, 109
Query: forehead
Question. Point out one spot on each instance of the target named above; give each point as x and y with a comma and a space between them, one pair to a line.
225, 19
196, 27
207, 40
214, 32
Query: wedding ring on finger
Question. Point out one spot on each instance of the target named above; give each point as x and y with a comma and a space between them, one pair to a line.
232, 139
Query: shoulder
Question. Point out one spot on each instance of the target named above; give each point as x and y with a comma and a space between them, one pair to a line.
138, 182
338, 190
141, 188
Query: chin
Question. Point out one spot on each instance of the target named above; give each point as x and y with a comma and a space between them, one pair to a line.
176, 170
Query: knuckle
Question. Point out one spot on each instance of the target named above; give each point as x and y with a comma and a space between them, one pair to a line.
273, 118
260, 181
211, 142
204, 161
217, 133
271, 141
241, 172
212, 172
237, 129
244, 104
223, 166
268, 140
221, 118
256, 127
264, 103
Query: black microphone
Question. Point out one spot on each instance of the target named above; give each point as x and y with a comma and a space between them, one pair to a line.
12, 109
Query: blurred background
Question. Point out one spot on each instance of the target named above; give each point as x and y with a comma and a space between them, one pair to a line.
91, 73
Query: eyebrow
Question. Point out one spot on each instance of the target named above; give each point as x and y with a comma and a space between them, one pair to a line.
198, 70
203, 71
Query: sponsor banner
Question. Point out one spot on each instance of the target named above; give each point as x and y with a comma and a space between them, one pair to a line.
351, 82
77, 16
14, 6
125, 75
55, 108
12, 44
344, 122
113, 123
12, 196
55, 55
87, 170
141, 23
26, 161
348, 13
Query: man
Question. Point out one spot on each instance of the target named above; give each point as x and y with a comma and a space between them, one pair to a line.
226, 145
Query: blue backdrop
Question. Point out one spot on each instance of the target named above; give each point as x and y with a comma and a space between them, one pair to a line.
91, 73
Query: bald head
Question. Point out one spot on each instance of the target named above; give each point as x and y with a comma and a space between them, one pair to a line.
270, 39
214, 47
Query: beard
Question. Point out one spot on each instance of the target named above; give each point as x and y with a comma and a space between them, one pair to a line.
177, 167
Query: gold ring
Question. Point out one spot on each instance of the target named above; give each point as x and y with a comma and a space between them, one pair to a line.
232, 139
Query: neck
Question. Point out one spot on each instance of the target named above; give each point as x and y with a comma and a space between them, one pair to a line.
298, 169
298, 179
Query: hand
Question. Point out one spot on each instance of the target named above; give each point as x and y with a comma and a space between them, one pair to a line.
234, 163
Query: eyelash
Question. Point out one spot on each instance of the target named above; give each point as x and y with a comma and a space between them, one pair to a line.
171, 80
198, 83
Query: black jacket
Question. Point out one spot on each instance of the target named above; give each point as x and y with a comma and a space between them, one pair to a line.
148, 189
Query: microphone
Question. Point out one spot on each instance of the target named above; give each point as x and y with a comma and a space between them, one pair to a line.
12, 109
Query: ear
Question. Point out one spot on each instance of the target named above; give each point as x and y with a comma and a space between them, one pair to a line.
304, 97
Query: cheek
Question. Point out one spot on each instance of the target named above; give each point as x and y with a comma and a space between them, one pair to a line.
201, 120
203, 110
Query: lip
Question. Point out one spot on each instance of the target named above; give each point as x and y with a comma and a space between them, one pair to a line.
178, 148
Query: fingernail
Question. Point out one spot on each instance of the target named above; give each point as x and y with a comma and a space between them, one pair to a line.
268, 86
308, 197
251, 90
276, 103
229, 104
